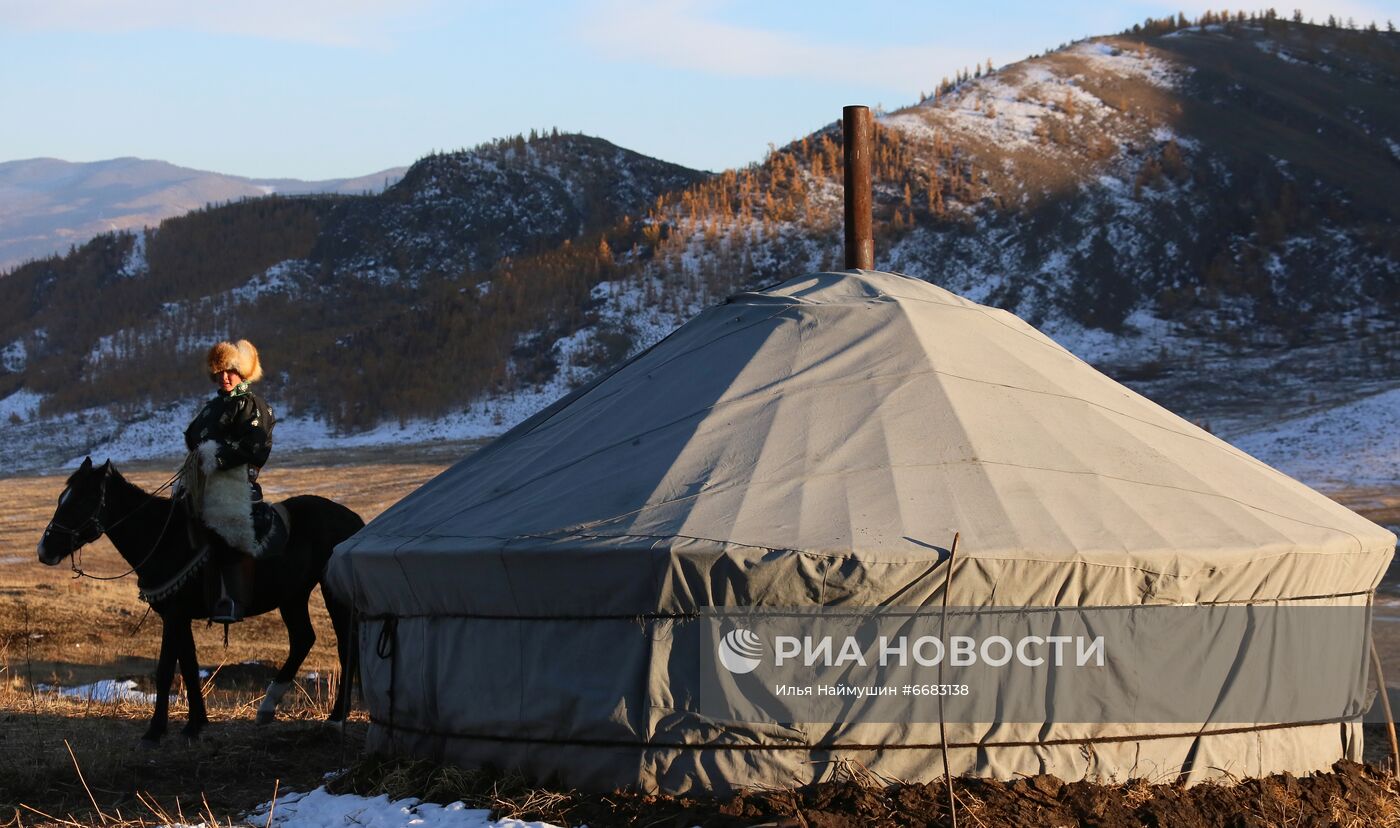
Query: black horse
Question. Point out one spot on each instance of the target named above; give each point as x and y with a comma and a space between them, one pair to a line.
152, 533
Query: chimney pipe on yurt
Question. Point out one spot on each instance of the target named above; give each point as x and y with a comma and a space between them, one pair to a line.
856, 129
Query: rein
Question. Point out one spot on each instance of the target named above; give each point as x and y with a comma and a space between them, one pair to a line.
75, 559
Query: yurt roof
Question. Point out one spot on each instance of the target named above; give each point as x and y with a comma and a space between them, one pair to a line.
868, 416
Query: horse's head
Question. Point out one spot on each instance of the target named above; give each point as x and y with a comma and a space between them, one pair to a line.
81, 513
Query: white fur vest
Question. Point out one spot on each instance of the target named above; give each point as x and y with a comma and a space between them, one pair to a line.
227, 507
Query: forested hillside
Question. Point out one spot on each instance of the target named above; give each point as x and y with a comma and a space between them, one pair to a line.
327, 282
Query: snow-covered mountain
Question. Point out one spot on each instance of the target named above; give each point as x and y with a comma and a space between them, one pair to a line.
48, 205
1206, 212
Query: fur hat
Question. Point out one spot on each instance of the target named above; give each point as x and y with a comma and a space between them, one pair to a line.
238, 356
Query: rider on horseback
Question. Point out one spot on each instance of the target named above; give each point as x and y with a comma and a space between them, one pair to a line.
232, 436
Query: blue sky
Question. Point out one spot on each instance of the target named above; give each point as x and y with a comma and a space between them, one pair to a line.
329, 88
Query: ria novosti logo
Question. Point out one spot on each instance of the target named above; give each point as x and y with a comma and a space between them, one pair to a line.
740, 651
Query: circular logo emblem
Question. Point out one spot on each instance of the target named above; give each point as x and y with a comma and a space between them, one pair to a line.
739, 651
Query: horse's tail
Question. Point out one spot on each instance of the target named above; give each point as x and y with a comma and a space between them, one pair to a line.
347, 630
347, 641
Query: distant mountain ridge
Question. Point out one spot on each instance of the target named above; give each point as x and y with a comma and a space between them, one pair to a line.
48, 205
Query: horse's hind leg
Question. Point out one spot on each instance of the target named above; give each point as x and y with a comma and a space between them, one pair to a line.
300, 637
345, 648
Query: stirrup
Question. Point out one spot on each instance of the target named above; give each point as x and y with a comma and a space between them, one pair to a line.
226, 611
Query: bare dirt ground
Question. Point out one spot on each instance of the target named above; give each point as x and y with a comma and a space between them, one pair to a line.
1351, 795
59, 630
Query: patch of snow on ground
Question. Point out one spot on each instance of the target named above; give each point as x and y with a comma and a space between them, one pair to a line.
1164, 134
135, 263
1096, 346
150, 435
626, 307
1007, 108
103, 350
382, 275
1394, 148
1007, 113
1269, 47
155, 434
1113, 60
14, 357
106, 690
1037, 73
320, 809
1357, 444
22, 404
275, 279
488, 418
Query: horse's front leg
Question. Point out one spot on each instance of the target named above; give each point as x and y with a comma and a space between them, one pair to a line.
165, 675
189, 671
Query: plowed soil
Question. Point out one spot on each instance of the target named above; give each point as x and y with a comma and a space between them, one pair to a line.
1352, 795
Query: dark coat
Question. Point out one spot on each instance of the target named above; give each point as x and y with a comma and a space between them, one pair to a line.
240, 423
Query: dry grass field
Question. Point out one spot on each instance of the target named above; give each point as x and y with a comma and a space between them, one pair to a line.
60, 630
57, 628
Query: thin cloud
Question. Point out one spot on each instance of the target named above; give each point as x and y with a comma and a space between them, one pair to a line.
679, 35
347, 23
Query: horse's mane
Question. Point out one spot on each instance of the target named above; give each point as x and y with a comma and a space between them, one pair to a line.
133, 488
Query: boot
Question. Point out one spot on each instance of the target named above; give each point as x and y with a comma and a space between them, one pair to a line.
237, 581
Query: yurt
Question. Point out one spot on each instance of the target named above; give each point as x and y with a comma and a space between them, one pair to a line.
818, 444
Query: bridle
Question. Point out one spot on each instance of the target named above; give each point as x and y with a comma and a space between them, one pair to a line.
75, 533
95, 519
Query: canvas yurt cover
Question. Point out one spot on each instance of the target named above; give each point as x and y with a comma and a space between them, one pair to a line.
798, 447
